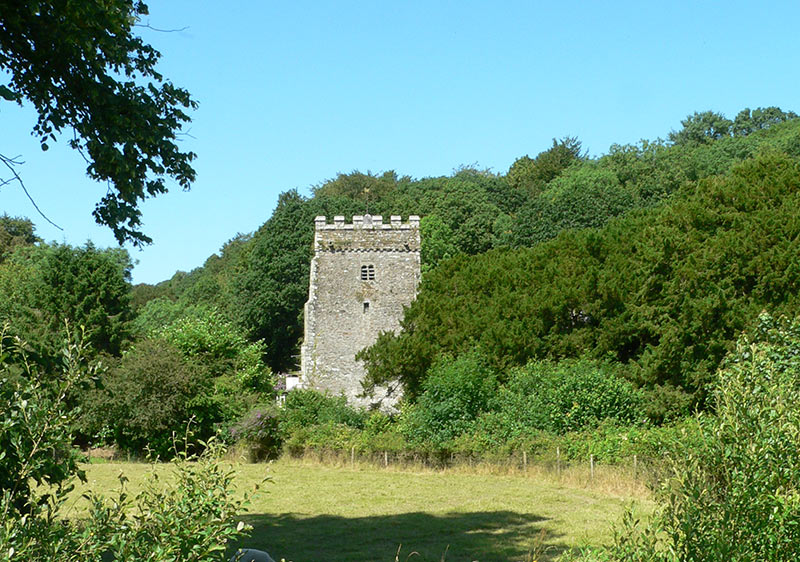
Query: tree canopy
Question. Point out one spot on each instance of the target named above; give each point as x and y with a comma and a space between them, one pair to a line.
82, 67
663, 290
534, 264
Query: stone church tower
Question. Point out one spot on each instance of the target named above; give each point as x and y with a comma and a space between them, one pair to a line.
362, 275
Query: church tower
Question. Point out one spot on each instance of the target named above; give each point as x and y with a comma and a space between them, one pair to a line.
362, 275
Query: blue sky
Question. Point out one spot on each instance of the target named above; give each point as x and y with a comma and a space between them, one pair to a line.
292, 93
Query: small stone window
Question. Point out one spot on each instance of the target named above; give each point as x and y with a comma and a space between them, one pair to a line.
366, 307
368, 273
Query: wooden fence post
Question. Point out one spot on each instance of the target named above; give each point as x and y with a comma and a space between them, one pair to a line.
525, 461
385, 459
558, 461
591, 466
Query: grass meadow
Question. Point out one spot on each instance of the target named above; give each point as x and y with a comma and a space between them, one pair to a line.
312, 512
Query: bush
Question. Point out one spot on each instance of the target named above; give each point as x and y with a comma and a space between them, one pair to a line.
306, 407
209, 339
259, 431
191, 520
194, 518
454, 394
149, 397
198, 368
735, 497
569, 395
381, 433
615, 444
35, 443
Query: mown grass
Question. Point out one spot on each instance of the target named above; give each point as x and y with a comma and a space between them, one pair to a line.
314, 512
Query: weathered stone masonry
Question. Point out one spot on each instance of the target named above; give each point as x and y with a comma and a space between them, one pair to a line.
362, 275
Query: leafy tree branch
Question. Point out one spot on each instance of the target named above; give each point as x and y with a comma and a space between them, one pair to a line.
81, 67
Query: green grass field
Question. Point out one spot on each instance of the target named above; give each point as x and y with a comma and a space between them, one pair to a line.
313, 512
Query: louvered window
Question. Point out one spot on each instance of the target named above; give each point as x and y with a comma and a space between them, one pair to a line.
368, 273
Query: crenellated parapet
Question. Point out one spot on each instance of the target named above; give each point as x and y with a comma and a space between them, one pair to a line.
367, 222
367, 233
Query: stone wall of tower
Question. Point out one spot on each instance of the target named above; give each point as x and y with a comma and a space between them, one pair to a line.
362, 275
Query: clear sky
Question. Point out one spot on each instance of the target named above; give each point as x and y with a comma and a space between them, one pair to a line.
291, 93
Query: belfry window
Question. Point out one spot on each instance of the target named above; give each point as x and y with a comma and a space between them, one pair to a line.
368, 273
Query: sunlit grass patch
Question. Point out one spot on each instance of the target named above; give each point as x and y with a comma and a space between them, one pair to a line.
313, 512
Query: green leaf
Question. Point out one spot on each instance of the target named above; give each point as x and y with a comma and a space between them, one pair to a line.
8, 94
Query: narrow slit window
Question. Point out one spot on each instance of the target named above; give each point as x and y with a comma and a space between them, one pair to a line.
368, 273
366, 307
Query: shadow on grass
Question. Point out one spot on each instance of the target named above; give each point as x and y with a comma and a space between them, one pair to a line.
455, 537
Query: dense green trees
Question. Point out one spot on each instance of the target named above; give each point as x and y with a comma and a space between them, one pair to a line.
15, 232
82, 67
664, 291
702, 128
748, 121
41, 286
582, 197
642, 264
195, 373
533, 174
708, 126
260, 282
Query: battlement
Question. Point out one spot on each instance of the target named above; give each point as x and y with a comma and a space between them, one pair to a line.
367, 222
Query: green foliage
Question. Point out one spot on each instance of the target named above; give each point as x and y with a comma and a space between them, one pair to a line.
148, 399
193, 515
259, 431
197, 370
192, 518
468, 204
533, 174
162, 311
612, 443
81, 67
454, 394
585, 196
437, 242
35, 443
702, 128
359, 186
735, 496
664, 290
222, 349
205, 288
748, 121
566, 396
41, 286
15, 232
307, 407
316, 420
